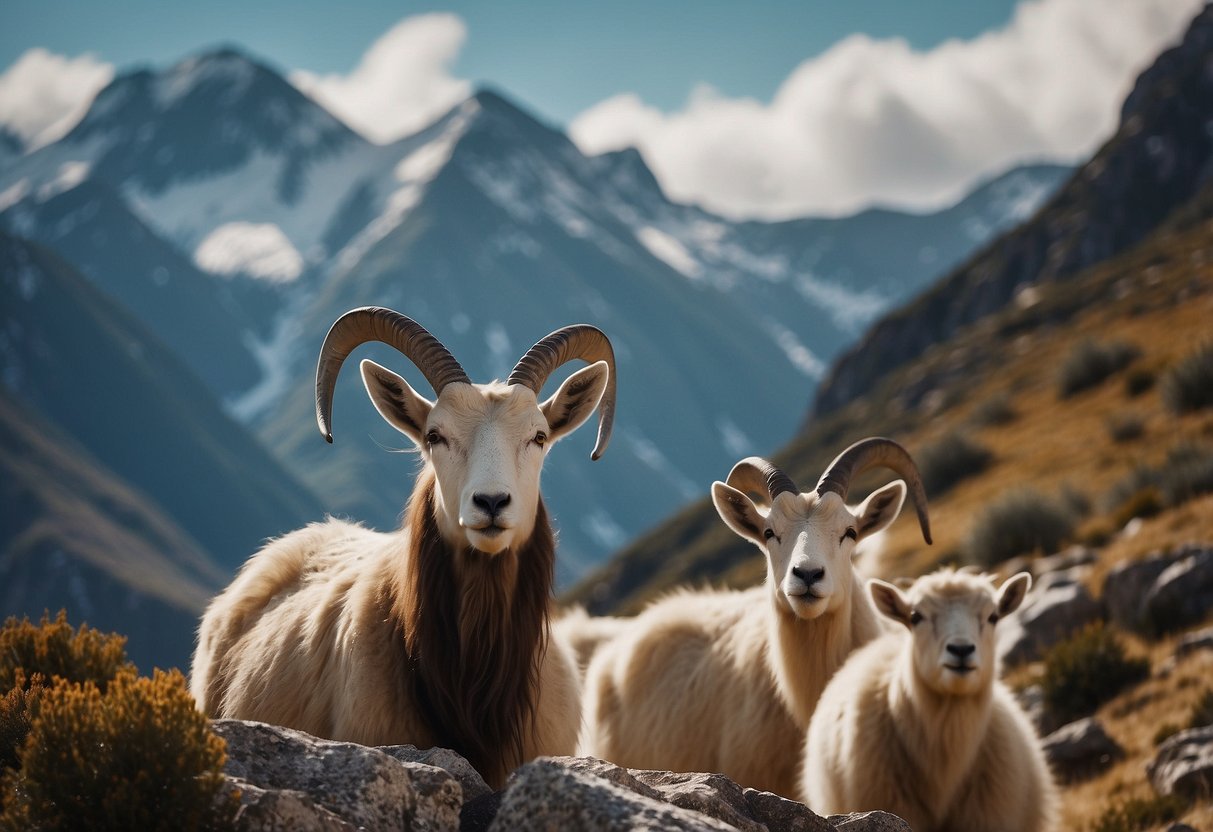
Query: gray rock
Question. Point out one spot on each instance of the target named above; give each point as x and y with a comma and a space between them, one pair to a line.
1184, 764
281, 810
713, 795
1080, 749
545, 794
869, 822
1194, 642
777, 812
1032, 700
359, 785
1057, 606
1062, 561
450, 762
1182, 594
1125, 588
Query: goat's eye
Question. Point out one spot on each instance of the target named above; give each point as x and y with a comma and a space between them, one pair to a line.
851, 533
768, 534
915, 617
993, 619
540, 438
434, 438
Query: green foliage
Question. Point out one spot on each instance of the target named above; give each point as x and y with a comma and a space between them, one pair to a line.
54, 649
1089, 364
1022, 521
1188, 385
137, 756
1086, 670
1139, 814
950, 459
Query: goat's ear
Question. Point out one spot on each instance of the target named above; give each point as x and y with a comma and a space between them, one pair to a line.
576, 399
1012, 592
403, 407
890, 601
880, 509
739, 512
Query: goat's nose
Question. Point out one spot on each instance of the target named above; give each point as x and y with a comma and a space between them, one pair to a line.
809, 576
490, 504
961, 651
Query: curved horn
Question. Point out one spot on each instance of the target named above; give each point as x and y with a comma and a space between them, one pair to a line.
374, 323
754, 474
875, 452
583, 341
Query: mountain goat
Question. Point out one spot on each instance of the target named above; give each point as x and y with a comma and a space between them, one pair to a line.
726, 681
438, 633
585, 633
917, 724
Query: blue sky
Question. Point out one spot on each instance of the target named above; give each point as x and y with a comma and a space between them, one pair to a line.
558, 57
774, 109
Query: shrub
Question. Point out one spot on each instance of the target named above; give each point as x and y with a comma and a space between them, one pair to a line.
1089, 364
1138, 381
996, 410
53, 649
1125, 427
138, 756
1138, 814
1144, 503
1189, 384
1086, 670
16, 709
950, 459
1186, 472
1020, 522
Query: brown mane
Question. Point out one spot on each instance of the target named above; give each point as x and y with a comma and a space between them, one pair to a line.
475, 629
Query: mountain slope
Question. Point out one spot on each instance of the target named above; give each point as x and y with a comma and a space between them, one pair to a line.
87, 366
1159, 158
208, 321
73, 536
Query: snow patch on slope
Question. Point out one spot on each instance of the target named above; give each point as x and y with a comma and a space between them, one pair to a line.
668, 249
850, 311
802, 358
257, 249
69, 176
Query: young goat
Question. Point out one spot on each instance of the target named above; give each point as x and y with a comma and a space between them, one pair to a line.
917, 724
727, 681
436, 634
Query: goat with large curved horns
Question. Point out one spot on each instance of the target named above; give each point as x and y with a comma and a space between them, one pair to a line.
438, 633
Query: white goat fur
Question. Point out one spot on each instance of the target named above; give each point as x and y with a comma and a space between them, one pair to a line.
726, 681
311, 633
901, 730
585, 633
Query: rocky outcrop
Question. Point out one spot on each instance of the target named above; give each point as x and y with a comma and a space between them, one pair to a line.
1158, 160
290, 780
1184, 764
1058, 605
1162, 592
1080, 749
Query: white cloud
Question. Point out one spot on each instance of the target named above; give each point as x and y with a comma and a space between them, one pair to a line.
43, 95
873, 121
402, 83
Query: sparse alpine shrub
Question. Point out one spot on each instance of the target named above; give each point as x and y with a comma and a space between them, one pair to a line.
1086, 670
1125, 427
1186, 472
138, 756
950, 459
1020, 522
1188, 385
1138, 380
53, 649
996, 410
1090, 363
16, 711
1138, 814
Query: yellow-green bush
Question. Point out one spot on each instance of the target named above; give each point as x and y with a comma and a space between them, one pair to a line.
137, 756
1086, 670
54, 649
16, 709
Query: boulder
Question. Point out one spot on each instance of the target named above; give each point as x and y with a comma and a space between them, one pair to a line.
1125, 588
360, 786
450, 762
869, 822
1080, 750
281, 810
1182, 594
1184, 764
1194, 642
1063, 561
1057, 606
